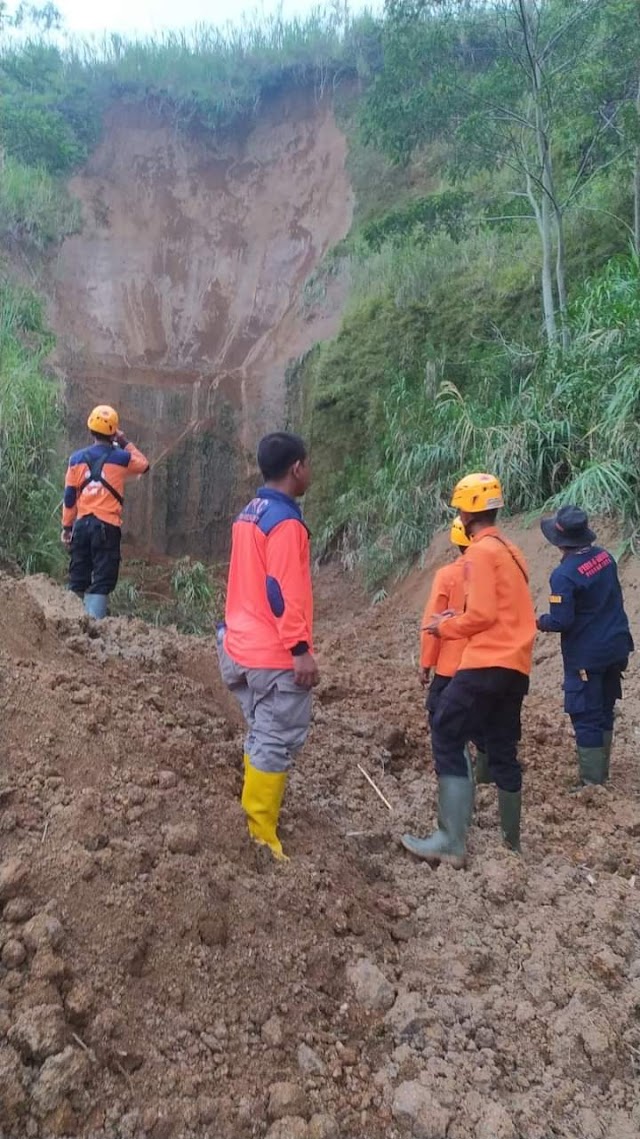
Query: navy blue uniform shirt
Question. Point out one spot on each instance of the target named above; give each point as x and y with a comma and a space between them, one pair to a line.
586, 607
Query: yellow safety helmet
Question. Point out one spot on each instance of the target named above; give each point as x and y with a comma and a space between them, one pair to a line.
458, 534
103, 420
478, 492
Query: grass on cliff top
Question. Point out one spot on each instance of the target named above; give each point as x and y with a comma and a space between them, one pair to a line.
205, 79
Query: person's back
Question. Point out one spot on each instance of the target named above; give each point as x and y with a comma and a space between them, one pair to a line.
269, 607
499, 618
92, 508
103, 496
587, 608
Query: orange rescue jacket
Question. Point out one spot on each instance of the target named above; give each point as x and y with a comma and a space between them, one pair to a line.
269, 608
498, 622
447, 592
83, 496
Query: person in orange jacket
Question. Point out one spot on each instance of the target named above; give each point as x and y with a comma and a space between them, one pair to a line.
439, 660
484, 698
92, 508
265, 646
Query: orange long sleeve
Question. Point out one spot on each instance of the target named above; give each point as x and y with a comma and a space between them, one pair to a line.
287, 558
447, 592
498, 622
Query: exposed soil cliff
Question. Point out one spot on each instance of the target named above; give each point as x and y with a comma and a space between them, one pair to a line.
180, 301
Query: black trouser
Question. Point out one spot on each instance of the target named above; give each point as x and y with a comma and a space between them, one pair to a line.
95, 556
590, 701
481, 704
434, 693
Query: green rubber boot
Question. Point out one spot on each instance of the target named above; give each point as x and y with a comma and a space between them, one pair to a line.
592, 763
448, 842
510, 808
607, 740
482, 767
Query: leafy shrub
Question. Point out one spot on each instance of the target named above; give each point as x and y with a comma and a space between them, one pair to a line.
418, 219
30, 437
35, 210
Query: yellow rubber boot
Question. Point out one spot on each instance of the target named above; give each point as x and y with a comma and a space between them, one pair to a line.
262, 796
245, 761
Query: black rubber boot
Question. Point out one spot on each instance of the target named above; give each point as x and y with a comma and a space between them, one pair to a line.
448, 842
510, 807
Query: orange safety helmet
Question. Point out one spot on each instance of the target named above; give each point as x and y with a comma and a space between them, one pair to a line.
103, 420
458, 534
478, 492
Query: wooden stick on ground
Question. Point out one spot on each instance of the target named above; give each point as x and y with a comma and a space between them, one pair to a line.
376, 788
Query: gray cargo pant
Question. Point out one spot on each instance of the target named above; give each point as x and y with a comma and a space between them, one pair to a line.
277, 711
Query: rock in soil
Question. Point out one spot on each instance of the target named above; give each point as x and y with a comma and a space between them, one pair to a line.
417, 1110
13, 875
183, 838
59, 1077
291, 1127
39, 1032
286, 1099
371, 988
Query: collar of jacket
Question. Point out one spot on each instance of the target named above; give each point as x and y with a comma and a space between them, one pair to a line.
279, 496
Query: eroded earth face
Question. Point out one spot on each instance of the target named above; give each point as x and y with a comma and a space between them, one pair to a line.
182, 300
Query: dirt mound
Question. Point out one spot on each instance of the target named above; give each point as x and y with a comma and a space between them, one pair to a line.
159, 979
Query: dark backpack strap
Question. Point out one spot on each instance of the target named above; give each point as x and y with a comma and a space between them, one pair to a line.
510, 551
96, 475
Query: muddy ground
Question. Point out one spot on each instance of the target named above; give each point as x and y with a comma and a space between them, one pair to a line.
159, 980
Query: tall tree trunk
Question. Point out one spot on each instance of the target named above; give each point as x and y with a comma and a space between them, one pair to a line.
561, 287
543, 221
548, 298
528, 17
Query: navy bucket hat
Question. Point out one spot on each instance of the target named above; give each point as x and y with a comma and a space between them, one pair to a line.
568, 528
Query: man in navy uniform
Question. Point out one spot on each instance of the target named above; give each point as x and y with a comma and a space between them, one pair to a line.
586, 607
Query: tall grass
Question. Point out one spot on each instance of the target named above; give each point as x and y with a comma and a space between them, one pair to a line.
35, 208
208, 77
566, 431
30, 436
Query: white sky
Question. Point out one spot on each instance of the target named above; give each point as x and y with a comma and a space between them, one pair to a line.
146, 16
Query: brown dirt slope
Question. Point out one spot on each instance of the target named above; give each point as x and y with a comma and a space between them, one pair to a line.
158, 979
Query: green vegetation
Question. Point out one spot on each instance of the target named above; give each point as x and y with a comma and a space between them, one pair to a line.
35, 209
566, 431
30, 471
190, 597
54, 97
493, 318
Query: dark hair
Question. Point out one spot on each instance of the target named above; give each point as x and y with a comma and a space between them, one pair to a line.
485, 516
278, 452
101, 438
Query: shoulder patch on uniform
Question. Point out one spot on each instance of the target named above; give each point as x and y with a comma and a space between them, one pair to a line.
555, 599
